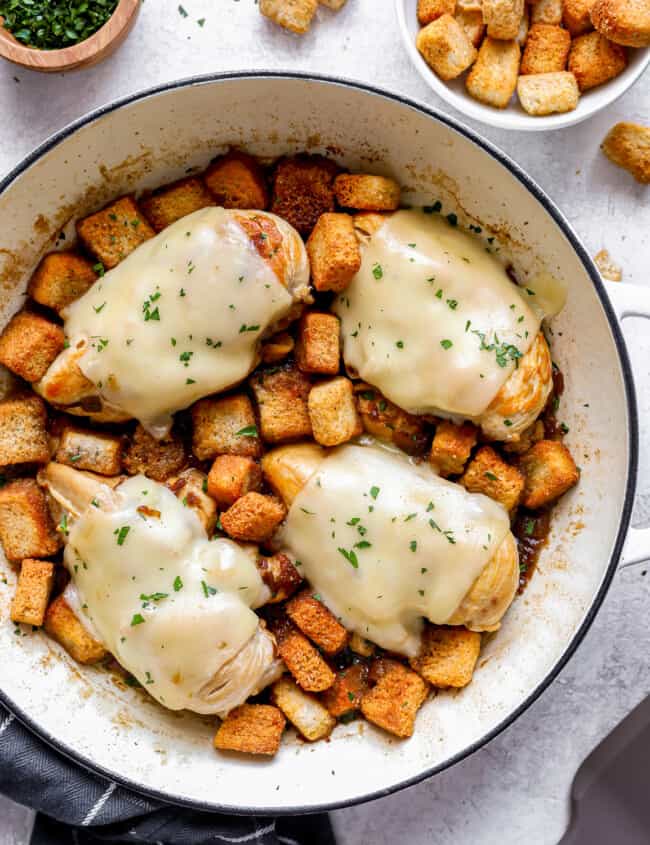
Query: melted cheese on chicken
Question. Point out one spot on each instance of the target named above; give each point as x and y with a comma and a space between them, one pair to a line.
385, 542
180, 317
170, 605
432, 319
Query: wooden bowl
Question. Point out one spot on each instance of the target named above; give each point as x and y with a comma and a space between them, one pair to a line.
84, 54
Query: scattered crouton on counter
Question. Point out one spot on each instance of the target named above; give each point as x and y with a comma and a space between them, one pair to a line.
251, 729
296, 15
628, 146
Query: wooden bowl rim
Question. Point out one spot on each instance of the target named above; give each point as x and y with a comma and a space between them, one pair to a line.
14, 50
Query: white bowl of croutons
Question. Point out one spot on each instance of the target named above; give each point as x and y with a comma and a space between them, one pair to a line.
527, 65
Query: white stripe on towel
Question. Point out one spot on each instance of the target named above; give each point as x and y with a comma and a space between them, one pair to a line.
5, 724
249, 837
96, 808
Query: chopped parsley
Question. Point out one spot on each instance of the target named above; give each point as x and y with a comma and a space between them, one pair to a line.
413, 545
529, 527
400, 344
377, 271
446, 344
247, 431
121, 534
137, 619
99, 268
350, 556
99, 308
374, 492
178, 583
208, 590
244, 328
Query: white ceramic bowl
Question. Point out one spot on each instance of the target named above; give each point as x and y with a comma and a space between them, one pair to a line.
514, 117
151, 138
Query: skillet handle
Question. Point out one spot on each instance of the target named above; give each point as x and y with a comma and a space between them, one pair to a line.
632, 301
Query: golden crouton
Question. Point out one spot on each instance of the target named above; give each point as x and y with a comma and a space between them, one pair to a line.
294, 15
308, 613
167, 205
237, 181
472, 22
157, 459
64, 627
365, 192
60, 278
29, 344
489, 474
526, 439
333, 412
451, 447
280, 575
524, 27
251, 729
335, 5
277, 348
594, 60
361, 646
26, 527
301, 658
303, 190
253, 517
623, 21
448, 656
548, 93
231, 477
546, 51
549, 471
394, 701
23, 432
190, 486
493, 78
386, 421
503, 17
225, 426
344, 696
281, 396
318, 344
546, 11
32, 592
628, 145
334, 253
304, 711
429, 10
576, 17
92, 450
115, 231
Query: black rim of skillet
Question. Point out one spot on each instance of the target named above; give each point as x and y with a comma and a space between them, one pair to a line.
633, 433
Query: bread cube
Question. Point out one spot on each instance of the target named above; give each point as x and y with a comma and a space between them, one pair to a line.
310, 615
430, 10
333, 412
386, 421
237, 181
251, 729
334, 5
32, 592
472, 23
26, 527
448, 656
451, 447
64, 627
628, 146
345, 694
253, 517
225, 426
393, 703
29, 344
576, 16
594, 60
91, 450
526, 439
549, 471
546, 93
294, 15
546, 11
366, 192
60, 278
303, 189
361, 646
23, 432
157, 459
524, 28
281, 396
334, 253
318, 344
231, 477
167, 205
190, 486
469, 5
493, 78
114, 232
547, 49
625, 22
503, 18
301, 658
277, 348
280, 575
304, 711
489, 474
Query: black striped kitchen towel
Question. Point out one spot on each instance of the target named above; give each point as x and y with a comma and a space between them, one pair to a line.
76, 807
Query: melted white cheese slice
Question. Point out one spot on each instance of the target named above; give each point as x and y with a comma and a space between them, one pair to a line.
179, 318
385, 542
420, 316
170, 605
